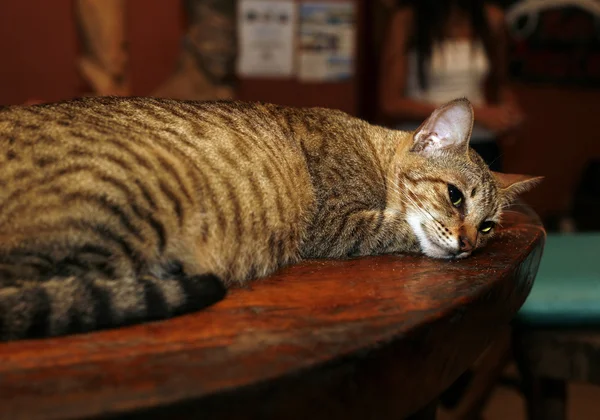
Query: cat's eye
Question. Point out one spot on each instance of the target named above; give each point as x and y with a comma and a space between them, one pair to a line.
456, 197
486, 227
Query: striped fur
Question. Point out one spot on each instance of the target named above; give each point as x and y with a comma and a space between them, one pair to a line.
116, 211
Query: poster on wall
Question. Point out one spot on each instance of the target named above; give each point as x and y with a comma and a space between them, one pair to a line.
266, 38
327, 41
555, 42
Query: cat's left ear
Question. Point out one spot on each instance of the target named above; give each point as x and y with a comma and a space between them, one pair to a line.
447, 128
513, 184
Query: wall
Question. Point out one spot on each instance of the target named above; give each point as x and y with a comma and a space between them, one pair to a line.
38, 48
155, 30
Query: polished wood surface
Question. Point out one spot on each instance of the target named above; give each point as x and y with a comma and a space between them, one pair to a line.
376, 337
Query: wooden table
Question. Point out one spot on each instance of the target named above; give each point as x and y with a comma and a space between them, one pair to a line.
371, 338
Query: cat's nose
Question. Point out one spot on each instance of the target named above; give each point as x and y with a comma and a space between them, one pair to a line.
465, 244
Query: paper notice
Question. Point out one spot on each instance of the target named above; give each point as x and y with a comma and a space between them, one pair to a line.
266, 38
327, 41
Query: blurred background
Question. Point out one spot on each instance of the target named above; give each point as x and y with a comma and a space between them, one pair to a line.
309, 54
531, 68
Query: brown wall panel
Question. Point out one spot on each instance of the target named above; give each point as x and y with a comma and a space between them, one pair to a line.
38, 49
155, 29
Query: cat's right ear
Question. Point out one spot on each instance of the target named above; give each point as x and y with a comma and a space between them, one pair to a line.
448, 128
512, 185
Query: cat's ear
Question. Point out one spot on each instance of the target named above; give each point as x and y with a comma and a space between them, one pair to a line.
513, 184
447, 128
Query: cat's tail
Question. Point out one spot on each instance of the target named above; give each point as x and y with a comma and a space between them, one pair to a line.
63, 305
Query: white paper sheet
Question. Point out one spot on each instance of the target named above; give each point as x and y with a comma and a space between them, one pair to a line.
266, 38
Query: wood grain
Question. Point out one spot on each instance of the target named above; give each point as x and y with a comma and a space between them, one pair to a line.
376, 337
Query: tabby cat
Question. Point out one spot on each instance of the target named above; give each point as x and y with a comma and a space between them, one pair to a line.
116, 211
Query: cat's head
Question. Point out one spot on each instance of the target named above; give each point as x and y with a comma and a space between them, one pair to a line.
453, 202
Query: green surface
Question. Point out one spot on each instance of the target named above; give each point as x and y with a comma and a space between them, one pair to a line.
566, 291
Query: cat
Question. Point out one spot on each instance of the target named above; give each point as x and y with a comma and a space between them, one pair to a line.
115, 211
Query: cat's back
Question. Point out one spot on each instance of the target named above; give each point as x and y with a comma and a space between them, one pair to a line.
110, 115
233, 171
215, 131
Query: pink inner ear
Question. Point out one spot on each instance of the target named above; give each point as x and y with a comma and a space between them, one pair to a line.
448, 126
451, 123
454, 123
